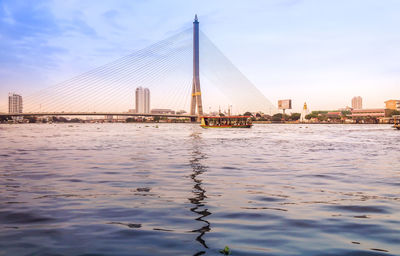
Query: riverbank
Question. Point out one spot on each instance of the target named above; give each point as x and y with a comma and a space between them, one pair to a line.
346, 123
185, 122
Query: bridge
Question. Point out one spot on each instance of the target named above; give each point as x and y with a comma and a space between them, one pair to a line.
163, 68
98, 114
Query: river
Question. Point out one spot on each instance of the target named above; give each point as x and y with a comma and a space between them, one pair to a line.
178, 189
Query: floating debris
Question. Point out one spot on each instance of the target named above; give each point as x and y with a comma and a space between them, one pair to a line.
143, 189
379, 250
361, 217
225, 251
129, 225
133, 225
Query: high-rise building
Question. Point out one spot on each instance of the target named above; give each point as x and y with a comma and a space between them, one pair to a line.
142, 100
356, 102
14, 103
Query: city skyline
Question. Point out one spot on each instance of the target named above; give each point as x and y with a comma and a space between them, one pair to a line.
324, 63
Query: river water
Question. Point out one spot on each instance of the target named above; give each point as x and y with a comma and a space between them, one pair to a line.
178, 189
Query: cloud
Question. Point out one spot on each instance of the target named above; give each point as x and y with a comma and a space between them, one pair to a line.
7, 17
289, 3
28, 39
267, 40
111, 17
25, 31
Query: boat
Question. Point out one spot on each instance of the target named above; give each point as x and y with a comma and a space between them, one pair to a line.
396, 121
226, 122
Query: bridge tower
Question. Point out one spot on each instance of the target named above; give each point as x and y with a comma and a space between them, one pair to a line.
196, 92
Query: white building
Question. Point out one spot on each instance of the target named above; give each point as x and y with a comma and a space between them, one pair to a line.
142, 100
304, 112
14, 103
356, 102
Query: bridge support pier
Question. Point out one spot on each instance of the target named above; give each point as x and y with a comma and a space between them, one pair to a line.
196, 92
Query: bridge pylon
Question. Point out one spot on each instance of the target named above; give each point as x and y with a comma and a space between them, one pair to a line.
196, 92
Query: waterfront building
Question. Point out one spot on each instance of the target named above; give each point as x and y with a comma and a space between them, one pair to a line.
158, 111
304, 112
381, 112
109, 117
14, 103
370, 115
179, 112
393, 104
142, 100
356, 102
334, 115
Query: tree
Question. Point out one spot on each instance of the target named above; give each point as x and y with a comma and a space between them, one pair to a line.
221, 114
156, 119
267, 117
62, 119
258, 115
313, 114
277, 117
31, 119
4, 118
295, 116
247, 114
75, 120
346, 112
394, 113
318, 113
129, 120
322, 117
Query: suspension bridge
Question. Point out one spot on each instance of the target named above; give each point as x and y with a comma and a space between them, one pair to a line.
170, 69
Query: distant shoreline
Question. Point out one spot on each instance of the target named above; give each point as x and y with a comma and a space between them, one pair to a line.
269, 122
152, 123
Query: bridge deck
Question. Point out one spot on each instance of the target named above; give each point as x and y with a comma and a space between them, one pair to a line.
93, 114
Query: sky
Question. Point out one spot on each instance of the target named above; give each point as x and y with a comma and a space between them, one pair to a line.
319, 52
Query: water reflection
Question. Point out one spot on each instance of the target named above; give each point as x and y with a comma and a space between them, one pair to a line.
199, 193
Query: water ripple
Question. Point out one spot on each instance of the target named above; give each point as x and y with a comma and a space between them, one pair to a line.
132, 189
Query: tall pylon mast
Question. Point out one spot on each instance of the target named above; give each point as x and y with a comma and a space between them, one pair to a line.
196, 92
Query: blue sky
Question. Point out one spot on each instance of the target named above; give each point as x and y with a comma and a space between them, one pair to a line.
321, 52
